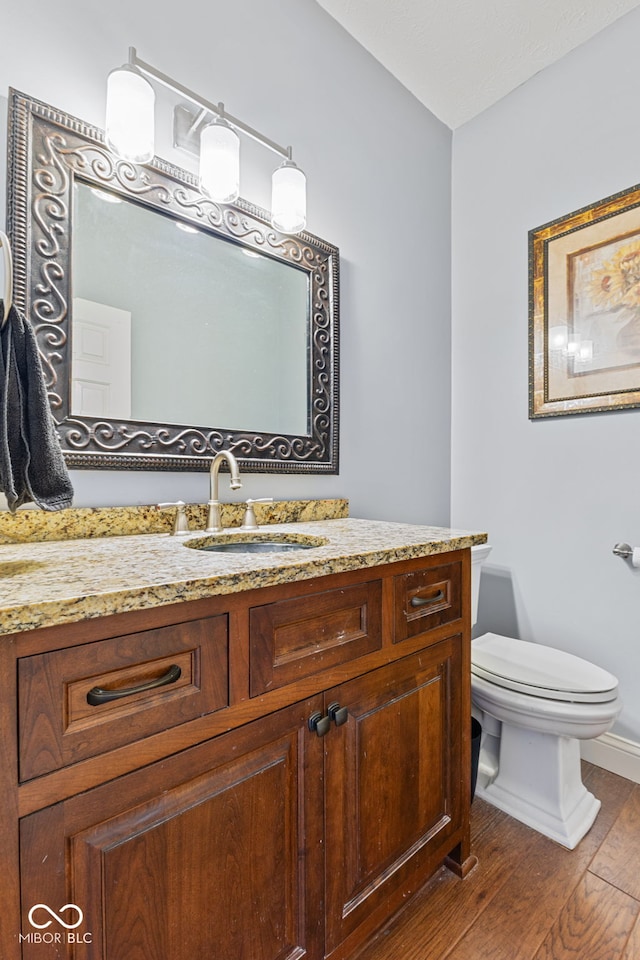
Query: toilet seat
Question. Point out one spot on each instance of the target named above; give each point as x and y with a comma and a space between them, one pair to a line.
540, 671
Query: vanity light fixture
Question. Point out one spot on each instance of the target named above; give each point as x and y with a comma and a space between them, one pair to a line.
288, 198
220, 161
130, 131
129, 124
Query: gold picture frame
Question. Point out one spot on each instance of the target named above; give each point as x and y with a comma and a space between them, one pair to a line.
584, 309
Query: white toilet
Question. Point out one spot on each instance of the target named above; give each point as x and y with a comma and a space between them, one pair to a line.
535, 703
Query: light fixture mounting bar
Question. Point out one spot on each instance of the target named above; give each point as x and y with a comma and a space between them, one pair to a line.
201, 102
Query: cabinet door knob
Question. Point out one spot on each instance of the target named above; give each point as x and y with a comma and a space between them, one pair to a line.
338, 714
319, 724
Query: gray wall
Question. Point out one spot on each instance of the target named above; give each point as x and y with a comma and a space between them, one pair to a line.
555, 495
378, 168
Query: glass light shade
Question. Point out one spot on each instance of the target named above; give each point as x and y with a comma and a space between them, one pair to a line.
220, 161
289, 198
129, 126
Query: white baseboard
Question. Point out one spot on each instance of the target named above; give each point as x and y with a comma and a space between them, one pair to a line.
615, 754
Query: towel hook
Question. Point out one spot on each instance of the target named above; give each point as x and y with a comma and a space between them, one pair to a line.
8, 276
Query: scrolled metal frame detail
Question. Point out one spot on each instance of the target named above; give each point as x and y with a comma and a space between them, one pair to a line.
48, 149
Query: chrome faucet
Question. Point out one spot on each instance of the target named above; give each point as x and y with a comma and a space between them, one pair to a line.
214, 524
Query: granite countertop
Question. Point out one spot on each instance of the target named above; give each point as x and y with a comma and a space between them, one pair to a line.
47, 583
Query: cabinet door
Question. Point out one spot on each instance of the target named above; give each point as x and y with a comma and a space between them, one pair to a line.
392, 785
214, 853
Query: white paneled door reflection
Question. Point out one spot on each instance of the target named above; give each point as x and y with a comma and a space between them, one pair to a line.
101, 361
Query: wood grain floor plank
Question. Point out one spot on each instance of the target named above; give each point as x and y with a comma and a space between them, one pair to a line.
602, 783
542, 877
507, 906
632, 950
595, 923
617, 859
484, 816
447, 907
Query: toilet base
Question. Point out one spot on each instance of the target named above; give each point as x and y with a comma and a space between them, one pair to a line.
536, 778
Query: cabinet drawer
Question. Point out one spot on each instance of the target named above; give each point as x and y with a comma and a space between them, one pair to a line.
291, 639
157, 679
426, 599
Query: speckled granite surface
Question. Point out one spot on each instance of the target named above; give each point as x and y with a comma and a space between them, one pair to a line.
28, 526
42, 584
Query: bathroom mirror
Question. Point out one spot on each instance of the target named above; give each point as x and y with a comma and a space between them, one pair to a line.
170, 326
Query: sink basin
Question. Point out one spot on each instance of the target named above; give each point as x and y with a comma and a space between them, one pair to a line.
255, 543
254, 546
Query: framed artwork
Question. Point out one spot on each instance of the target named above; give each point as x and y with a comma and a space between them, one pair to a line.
584, 309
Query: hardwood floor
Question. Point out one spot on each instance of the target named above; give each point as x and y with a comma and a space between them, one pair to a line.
529, 898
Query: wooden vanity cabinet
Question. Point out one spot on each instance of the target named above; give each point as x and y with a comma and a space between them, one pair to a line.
392, 790
199, 856
281, 824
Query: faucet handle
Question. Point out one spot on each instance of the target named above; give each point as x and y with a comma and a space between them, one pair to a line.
180, 524
250, 522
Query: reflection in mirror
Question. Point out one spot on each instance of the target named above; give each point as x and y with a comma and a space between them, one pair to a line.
171, 327
191, 329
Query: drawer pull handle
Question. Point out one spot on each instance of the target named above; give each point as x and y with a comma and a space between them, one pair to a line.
425, 601
98, 695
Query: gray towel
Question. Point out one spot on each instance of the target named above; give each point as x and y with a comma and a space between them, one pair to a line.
31, 463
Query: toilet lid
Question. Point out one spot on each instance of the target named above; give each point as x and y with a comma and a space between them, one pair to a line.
540, 671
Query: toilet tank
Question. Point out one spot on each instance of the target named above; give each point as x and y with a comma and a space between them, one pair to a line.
478, 555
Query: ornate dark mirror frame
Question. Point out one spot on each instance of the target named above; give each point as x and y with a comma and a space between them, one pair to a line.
48, 150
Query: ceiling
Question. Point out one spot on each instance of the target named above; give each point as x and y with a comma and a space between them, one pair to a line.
460, 56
